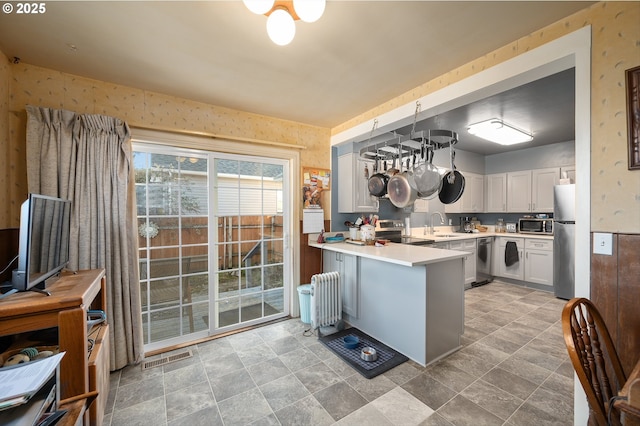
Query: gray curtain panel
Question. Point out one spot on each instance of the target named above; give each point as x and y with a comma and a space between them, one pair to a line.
87, 159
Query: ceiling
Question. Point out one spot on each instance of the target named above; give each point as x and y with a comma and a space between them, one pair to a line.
360, 54
544, 108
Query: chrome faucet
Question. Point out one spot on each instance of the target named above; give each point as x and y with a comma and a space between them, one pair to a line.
441, 221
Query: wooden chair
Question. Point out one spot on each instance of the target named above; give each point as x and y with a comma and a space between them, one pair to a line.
594, 358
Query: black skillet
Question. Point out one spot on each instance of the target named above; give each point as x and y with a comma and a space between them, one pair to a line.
452, 182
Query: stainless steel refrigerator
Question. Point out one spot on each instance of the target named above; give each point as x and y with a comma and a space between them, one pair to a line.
564, 237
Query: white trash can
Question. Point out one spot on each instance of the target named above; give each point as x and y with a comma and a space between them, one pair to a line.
304, 294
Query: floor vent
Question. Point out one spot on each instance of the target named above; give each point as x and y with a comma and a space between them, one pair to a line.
164, 361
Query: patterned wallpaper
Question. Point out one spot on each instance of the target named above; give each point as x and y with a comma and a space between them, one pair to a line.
49, 88
616, 47
615, 190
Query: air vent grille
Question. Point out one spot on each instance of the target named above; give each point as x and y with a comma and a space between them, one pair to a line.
164, 361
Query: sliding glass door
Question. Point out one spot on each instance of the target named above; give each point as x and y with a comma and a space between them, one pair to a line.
248, 210
211, 242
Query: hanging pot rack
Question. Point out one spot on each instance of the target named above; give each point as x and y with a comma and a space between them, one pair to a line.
406, 146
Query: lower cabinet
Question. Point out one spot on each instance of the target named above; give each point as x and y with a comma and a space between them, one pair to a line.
515, 269
538, 261
469, 261
347, 266
535, 260
440, 245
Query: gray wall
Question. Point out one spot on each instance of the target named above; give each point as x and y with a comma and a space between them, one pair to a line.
553, 155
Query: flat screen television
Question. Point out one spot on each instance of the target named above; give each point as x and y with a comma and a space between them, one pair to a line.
43, 247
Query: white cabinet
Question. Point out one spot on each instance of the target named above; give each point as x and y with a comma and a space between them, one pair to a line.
515, 269
519, 191
535, 260
472, 199
496, 199
473, 195
347, 266
538, 261
542, 183
421, 206
531, 190
469, 260
352, 185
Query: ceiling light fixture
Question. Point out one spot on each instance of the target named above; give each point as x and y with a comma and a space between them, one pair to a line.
496, 130
282, 15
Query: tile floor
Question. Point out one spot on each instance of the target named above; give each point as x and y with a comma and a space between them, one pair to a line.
512, 370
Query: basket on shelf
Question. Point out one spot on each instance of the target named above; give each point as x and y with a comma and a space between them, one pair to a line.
11, 352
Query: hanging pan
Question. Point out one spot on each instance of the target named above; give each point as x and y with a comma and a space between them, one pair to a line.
452, 182
401, 192
378, 181
428, 180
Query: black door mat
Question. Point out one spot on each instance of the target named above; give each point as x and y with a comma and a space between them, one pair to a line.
387, 357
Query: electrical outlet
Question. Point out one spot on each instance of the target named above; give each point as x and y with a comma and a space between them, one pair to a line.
602, 243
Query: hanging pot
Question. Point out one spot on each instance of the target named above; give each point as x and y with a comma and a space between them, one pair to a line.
426, 175
378, 182
452, 182
401, 193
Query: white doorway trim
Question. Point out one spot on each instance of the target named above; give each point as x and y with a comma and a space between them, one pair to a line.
570, 51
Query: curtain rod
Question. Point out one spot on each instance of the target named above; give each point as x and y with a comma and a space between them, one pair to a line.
216, 136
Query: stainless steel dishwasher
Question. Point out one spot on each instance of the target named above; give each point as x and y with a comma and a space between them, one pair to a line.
484, 272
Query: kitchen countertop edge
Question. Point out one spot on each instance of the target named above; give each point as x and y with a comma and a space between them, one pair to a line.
400, 254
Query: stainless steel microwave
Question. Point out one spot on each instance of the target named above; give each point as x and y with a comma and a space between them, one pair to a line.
536, 226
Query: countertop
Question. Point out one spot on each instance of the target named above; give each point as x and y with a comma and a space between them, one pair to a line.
456, 236
409, 255
400, 254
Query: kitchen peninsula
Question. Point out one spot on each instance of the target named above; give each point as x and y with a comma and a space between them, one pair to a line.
410, 298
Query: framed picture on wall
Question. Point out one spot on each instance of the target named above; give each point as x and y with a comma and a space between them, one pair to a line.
633, 116
314, 182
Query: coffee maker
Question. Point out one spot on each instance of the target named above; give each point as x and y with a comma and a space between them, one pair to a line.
465, 224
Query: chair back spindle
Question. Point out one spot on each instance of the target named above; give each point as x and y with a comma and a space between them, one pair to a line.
593, 356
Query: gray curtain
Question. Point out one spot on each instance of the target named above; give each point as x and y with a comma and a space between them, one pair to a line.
87, 159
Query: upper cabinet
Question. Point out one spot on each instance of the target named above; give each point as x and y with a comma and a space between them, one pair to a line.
472, 199
496, 193
519, 191
542, 183
527, 191
352, 184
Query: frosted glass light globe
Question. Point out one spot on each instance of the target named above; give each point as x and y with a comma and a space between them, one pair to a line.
309, 10
281, 27
259, 7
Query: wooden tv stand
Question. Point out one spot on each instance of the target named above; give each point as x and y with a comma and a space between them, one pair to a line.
71, 296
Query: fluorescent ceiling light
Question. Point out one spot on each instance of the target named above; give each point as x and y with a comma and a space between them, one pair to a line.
496, 130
